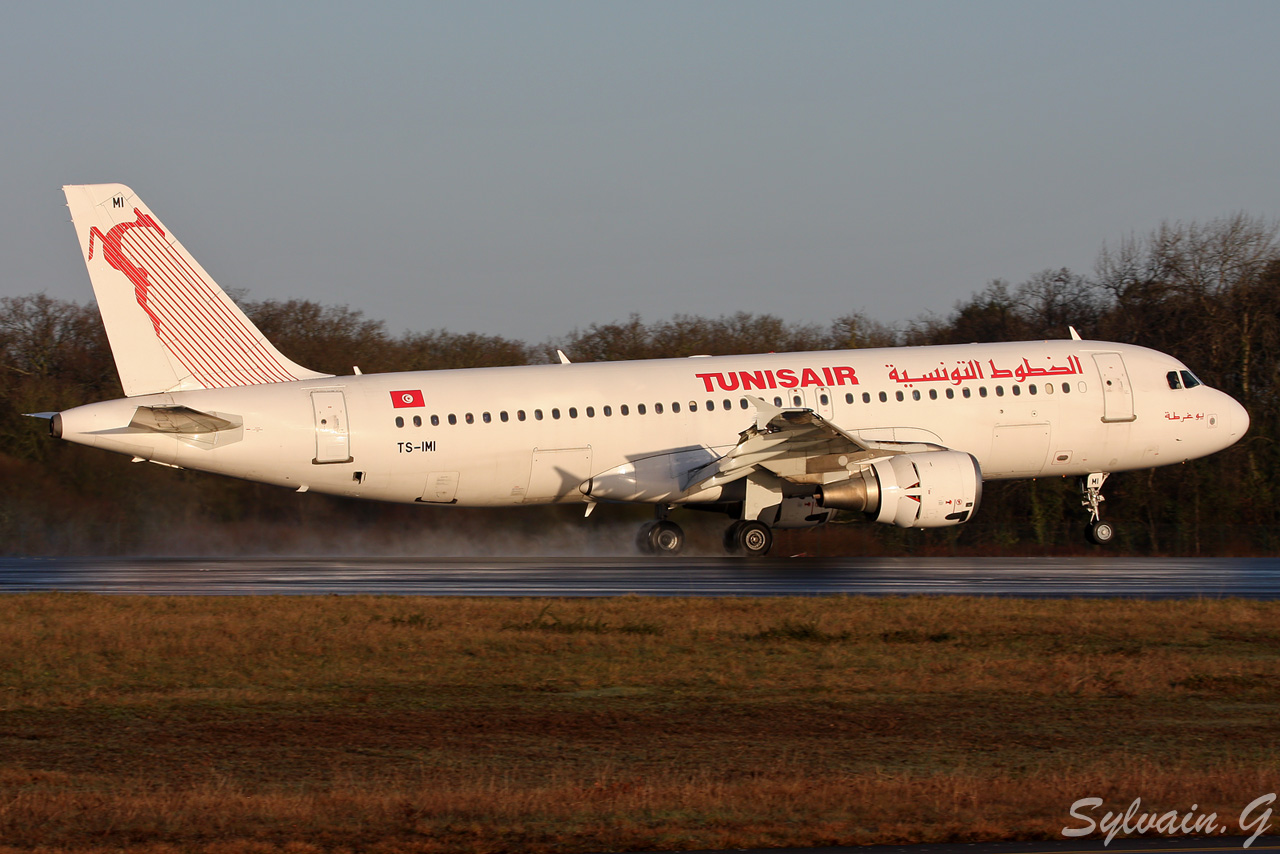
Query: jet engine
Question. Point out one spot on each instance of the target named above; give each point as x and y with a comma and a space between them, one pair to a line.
931, 489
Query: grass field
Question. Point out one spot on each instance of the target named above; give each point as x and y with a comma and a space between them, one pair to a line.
385, 724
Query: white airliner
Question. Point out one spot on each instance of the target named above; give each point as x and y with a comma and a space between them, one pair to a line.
905, 436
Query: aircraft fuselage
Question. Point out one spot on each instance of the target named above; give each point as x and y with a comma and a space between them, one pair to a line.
534, 434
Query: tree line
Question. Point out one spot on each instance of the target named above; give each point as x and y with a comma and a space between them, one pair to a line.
1207, 293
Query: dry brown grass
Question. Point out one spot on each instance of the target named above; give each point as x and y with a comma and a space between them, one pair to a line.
397, 724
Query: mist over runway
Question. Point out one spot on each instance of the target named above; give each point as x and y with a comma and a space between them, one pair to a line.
1039, 577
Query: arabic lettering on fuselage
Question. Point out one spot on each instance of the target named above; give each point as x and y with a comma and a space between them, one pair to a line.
974, 370
1173, 416
781, 378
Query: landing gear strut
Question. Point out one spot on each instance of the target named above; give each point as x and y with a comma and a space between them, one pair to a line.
1100, 532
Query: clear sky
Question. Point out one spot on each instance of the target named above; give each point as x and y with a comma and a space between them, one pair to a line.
524, 169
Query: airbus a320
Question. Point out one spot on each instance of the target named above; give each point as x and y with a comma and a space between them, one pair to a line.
905, 436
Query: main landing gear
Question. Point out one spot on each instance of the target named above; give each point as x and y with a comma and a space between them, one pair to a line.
665, 538
750, 538
661, 536
1100, 532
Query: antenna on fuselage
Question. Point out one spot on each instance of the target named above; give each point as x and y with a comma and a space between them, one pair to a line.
1075, 336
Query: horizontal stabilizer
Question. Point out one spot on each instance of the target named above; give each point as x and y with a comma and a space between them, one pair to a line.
178, 419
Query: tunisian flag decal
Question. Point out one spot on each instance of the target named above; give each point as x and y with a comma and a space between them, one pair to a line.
405, 399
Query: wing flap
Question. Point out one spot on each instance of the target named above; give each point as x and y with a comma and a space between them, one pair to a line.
796, 444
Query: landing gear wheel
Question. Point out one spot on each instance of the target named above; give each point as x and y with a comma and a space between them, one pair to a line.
1101, 532
643, 543
665, 538
731, 544
754, 539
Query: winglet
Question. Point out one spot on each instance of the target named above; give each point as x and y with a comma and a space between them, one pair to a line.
1075, 336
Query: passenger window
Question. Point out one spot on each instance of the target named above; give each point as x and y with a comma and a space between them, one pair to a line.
591, 412
1048, 388
488, 419
746, 404
777, 401
1031, 389
471, 419
1189, 380
933, 394
1172, 378
573, 412
608, 411
624, 410
848, 398
399, 421
503, 416
453, 419
883, 397
951, 394
999, 391
693, 405
537, 415
417, 421
519, 414
899, 396
824, 400
982, 391
915, 395
657, 409
1017, 390
866, 397
796, 401
967, 393
675, 407
640, 409
555, 413
435, 420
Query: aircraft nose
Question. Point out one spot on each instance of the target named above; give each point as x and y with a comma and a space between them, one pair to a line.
1237, 419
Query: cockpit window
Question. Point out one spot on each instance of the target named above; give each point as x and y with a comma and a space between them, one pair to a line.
1189, 380
1172, 377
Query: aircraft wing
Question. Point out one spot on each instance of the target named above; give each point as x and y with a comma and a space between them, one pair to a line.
796, 444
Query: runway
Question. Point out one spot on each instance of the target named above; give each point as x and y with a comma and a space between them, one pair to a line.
1151, 578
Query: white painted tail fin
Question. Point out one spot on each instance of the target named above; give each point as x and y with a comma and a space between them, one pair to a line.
170, 326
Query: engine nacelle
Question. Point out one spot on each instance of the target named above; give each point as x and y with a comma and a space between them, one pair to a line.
932, 489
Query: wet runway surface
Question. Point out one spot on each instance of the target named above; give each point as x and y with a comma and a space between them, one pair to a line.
1255, 578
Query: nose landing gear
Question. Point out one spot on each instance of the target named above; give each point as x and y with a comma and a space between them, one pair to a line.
1100, 532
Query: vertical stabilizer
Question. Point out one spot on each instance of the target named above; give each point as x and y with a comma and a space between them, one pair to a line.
170, 326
